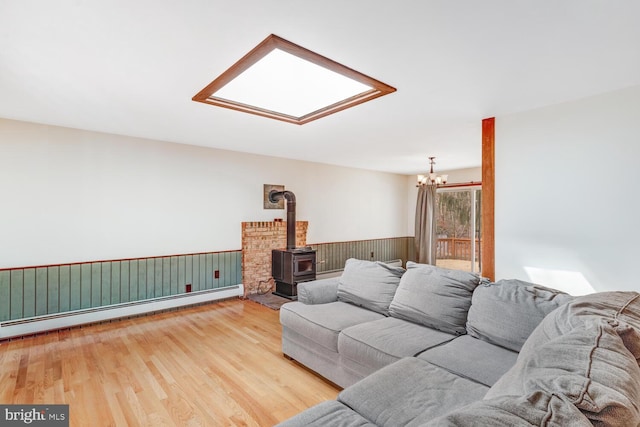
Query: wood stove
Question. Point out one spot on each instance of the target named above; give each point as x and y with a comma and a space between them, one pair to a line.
290, 267
293, 265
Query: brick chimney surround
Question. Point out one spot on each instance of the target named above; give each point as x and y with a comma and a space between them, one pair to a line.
258, 240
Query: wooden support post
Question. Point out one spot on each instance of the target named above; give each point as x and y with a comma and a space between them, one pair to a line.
488, 198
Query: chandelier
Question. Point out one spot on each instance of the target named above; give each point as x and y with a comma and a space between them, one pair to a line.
432, 178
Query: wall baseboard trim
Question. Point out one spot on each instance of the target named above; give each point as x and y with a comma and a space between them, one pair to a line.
40, 324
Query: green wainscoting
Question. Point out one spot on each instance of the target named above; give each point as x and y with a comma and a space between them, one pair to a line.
332, 256
35, 291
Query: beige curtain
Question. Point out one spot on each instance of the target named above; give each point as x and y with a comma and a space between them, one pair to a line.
426, 238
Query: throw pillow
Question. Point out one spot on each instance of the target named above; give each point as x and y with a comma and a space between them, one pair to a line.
582, 351
369, 284
436, 297
537, 409
505, 313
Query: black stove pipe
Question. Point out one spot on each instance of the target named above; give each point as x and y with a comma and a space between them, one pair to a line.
275, 196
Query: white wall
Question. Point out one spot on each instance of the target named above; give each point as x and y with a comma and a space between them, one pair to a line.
567, 201
71, 195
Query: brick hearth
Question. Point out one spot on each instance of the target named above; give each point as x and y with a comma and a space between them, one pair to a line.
258, 239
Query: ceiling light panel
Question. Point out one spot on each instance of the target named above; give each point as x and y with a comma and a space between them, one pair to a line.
290, 85
284, 81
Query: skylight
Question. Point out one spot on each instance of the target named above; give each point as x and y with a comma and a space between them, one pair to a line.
284, 81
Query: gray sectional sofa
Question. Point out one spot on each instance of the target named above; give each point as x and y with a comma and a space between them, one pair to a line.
430, 346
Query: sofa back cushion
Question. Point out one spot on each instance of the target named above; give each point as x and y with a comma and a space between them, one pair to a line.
505, 313
369, 284
584, 351
435, 297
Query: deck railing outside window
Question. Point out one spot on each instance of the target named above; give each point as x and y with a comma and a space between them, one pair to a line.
456, 248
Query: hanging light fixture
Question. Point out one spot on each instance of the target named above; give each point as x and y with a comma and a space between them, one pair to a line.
432, 178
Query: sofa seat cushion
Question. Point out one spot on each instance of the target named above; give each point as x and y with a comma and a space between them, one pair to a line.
318, 358
323, 322
410, 392
506, 312
472, 358
381, 342
537, 409
327, 413
585, 352
369, 284
435, 297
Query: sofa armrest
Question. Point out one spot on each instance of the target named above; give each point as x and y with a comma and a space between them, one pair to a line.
318, 291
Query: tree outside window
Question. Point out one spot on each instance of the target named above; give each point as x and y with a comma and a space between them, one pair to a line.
458, 229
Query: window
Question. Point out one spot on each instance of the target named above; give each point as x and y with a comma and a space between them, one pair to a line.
458, 229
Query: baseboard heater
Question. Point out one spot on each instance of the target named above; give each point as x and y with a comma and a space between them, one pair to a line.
38, 324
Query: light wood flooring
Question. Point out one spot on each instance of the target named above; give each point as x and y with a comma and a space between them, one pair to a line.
211, 365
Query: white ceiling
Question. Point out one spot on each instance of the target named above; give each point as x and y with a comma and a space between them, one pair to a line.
131, 68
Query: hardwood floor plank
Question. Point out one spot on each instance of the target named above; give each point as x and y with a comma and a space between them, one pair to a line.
214, 365
117, 412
